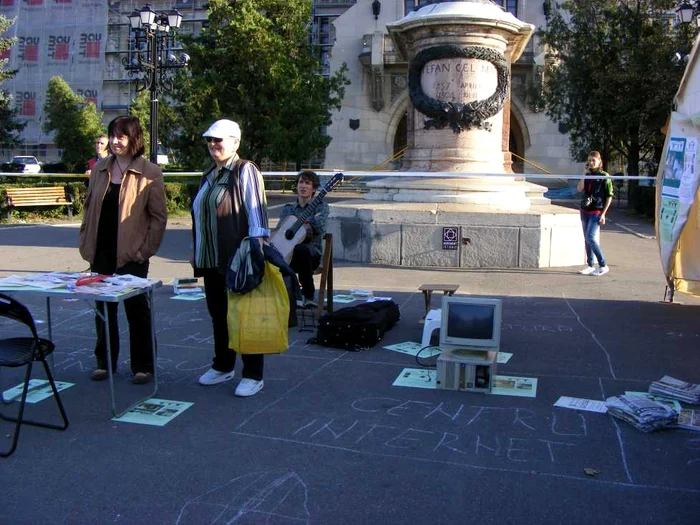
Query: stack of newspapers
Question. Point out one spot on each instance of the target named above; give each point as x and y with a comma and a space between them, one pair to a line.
676, 389
642, 413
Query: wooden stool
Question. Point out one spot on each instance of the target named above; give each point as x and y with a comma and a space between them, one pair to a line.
325, 290
428, 289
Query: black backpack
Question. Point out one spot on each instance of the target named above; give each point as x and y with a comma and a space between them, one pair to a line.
356, 327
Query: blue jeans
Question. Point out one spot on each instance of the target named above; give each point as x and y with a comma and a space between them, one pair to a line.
591, 234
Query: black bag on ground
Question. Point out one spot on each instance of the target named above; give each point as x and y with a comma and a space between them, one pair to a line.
356, 327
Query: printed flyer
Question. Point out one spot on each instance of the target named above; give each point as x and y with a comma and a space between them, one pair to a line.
678, 205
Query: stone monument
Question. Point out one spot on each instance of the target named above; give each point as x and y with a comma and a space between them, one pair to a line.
467, 209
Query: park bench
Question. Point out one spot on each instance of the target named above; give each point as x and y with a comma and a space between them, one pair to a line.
37, 196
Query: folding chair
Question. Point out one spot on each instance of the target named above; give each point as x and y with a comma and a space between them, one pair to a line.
23, 351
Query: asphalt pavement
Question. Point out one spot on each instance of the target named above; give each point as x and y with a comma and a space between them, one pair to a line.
330, 440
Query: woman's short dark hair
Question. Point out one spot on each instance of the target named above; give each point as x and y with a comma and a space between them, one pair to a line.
311, 177
130, 127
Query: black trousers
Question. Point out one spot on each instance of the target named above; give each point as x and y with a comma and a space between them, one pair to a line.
304, 262
217, 304
138, 315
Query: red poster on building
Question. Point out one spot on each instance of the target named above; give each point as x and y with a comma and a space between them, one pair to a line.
28, 107
31, 53
61, 52
92, 50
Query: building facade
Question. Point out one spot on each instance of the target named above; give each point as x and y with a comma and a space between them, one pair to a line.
84, 41
87, 42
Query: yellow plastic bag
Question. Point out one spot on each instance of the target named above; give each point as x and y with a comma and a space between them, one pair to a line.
257, 320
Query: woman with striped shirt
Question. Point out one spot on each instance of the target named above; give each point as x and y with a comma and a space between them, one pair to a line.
229, 206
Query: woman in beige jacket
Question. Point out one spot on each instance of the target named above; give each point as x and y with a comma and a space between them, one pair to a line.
123, 224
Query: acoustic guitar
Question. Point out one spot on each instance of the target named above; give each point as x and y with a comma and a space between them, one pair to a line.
292, 230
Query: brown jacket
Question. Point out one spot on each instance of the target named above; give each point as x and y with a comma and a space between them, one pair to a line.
142, 211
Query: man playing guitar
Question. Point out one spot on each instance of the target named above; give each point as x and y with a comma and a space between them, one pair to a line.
307, 254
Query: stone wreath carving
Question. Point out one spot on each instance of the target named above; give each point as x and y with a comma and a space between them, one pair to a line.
454, 114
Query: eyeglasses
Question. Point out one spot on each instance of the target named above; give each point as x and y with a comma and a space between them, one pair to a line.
214, 139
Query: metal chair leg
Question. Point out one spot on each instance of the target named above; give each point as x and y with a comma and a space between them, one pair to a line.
18, 419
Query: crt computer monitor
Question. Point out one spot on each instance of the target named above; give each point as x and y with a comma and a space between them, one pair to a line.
470, 322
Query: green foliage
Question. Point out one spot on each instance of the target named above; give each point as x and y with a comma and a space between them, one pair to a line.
254, 64
10, 125
167, 119
5, 44
611, 75
179, 195
75, 122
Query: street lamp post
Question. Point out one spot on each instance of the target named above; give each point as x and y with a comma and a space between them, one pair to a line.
151, 59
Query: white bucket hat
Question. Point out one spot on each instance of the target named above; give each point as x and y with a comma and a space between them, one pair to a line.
223, 128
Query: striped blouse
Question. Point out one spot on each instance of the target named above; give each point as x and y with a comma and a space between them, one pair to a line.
209, 197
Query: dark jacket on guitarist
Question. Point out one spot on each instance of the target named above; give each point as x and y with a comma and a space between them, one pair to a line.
306, 256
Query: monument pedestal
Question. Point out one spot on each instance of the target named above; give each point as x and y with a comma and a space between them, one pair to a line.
413, 234
470, 212
499, 193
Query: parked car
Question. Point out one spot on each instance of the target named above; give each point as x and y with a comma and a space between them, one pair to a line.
162, 157
25, 164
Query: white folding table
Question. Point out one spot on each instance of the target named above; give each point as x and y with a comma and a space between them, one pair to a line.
91, 298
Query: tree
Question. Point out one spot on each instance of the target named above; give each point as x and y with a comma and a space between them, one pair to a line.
167, 119
611, 74
75, 122
10, 125
254, 64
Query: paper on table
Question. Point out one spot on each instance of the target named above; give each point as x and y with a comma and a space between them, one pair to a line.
44, 280
103, 288
12, 280
131, 281
589, 405
41, 281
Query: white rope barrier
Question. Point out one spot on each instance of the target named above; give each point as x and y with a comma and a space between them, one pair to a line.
379, 174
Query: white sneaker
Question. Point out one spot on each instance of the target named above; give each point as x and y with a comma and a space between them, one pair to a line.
588, 270
601, 271
214, 377
249, 387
